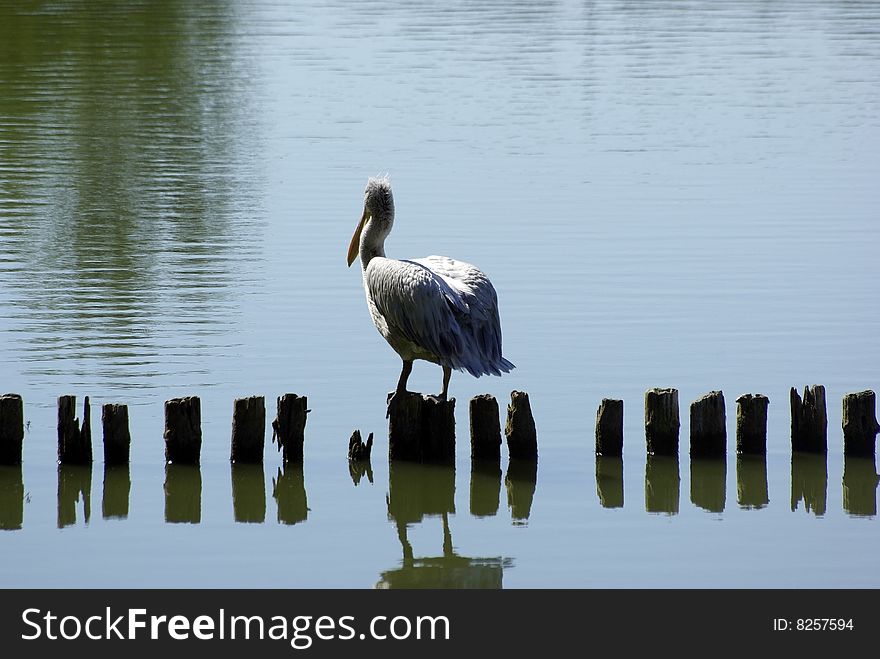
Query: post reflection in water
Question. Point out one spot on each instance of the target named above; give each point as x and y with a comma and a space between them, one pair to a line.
11, 498
74, 485
117, 487
860, 486
709, 483
521, 481
183, 494
289, 492
485, 488
248, 493
752, 491
809, 481
662, 484
418, 491
357, 469
609, 481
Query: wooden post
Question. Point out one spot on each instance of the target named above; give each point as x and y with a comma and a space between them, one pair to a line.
609, 481
609, 428
709, 426
661, 421
485, 428
809, 421
289, 426
117, 439
183, 431
357, 449
11, 429
522, 438
751, 424
421, 428
248, 430
74, 443
860, 424
751, 481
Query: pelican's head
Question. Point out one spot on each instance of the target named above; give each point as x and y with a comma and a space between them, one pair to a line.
378, 211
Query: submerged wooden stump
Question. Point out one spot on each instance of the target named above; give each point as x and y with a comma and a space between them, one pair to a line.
421, 428
183, 430
609, 428
522, 438
248, 430
661, 421
74, 442
809, 420
357, 449
709, 426
117, 438
289, 426
751, 424
485, 428
860, 424
11, 429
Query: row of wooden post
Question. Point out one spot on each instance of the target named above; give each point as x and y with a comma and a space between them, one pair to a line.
708, 424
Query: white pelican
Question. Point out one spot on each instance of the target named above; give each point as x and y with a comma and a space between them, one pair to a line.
436, 309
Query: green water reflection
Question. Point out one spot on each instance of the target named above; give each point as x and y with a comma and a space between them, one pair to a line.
662, 484
74, 487
752, 491
809, 482
183, 494
11, 498
709, 483
117, 490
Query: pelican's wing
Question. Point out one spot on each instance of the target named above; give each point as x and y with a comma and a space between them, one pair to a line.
446, 307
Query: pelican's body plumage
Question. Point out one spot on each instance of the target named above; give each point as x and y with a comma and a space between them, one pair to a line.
436, 308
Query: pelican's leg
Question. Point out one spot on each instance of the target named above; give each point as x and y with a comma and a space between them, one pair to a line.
401, 385
447, 373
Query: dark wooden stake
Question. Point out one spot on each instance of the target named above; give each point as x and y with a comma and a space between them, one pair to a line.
248, 430
860, 426
183, 430
809, 420
661, 421
117, 439
709, 426
751, 424
11, 429
421, 428
74, 443
522, 438
357, 449
289, 426
609, 428
485, 428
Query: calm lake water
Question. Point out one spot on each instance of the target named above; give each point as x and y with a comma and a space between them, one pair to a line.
663, 193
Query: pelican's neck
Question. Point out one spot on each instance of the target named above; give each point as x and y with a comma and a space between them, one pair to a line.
373, 239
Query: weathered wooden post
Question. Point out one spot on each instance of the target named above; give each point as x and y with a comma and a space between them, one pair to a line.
183, 493
289, 492
860, 424
117, 438
289, 426
709, 426
662, 484
751, 481
74, 443
359, 450
11, 429
117, 487
609, 481
522, 438
485, 428
709, 484
248, 492
421, 428
183, 431
751, 424
609, 428
521, 481
661, 421
809, 420
485, 493
248, 430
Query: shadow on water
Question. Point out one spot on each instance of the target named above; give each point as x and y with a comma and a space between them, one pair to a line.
485, 488
709, 483
183, 494
117, 488
752, 491
289, 492
860, 486
74, 485
809, 482
11, 498
521, 481
417, 492
662, 484
248, 493
609, 481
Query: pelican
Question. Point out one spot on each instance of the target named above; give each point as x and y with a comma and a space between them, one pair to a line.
437, 309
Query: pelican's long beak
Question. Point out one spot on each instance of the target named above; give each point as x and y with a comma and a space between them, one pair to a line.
355, 243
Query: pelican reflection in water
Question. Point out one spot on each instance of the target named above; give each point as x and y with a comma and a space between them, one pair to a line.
437, 309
